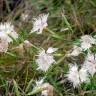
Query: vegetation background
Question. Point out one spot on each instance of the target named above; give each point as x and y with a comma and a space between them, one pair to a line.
70, 19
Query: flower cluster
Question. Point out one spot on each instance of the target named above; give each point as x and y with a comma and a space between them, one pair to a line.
7, 34
76, 75
45, 88
86, 43
90, 63
45, 58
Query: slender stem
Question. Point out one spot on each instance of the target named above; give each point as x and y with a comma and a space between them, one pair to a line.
8, 7
61, 59
35, 47
53, 34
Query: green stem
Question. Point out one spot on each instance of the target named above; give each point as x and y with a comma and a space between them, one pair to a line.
53, 34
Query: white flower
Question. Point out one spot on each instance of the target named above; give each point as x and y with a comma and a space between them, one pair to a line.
83, 75
73, 75
40, 23
44, 60
24, 16
90, 63
39, 82
44, 93
3, 44
51, 50
7, 30
45, 88
75, 51
91, 67
77, 76
87, 41
38, 85
91, 57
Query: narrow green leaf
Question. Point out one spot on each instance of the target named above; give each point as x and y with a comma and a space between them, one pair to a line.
16, 88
